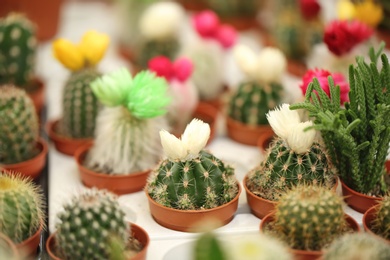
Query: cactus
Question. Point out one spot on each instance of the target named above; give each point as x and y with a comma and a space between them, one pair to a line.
191, 178
152, 48
381, 222
88, 224
357, 246
21, 204
231, 8
18, 48
126, 138
309, 217
19, 128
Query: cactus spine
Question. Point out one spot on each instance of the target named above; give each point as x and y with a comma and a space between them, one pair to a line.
21, 204
88, 223
19, 128
18, 47
381, 224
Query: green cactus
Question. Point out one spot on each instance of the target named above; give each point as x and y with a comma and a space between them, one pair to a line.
229, 8
381, 223
21, 204
80, 105
252, 101
87, 225
283, 169
18, 48
309, 217
160, 47
19, 128
385, 23
357, 246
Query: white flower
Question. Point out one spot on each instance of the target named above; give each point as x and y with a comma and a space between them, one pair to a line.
246, 60
281, 119
271, 64
299, 140
173, 147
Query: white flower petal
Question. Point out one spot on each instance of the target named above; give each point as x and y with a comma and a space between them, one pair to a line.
298, 139
271, 64
173, 147
246, 60
282, 119
195, 137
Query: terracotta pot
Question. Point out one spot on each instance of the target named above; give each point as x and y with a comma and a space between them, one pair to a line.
186, 220
246, 134
63, 144
208, 114
193, 6
29, 246
241, 23
10, 246
38, 94
384, 35
296, 68
368, 218
264, 141
304, 254
32, 167
136, 231
118, 184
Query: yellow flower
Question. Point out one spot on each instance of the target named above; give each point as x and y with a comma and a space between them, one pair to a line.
68, 54
93, 45
345, 10
369, 13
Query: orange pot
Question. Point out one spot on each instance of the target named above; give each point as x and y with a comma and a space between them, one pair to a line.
29, 246
304, 254
368, 218
63, 144
38, 95
186, 220
246, 134
136, 231
118, 184
32, 167
296, 68
11, 248
241, 23
264, 141
384, 35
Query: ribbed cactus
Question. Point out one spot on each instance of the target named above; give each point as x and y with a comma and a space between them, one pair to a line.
18, 47
21, 204
80, 105
309, 217
357, 246
191, 178
229, 8
87, 225
381, 223
19, 128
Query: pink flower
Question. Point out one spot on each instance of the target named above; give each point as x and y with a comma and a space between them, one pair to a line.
322, 76
180, 70
309, 8
342, 36
161, 65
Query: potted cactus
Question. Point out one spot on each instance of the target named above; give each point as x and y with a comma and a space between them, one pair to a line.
294, 157
79, 105
191, 184
356, 135
308, 218
376, 220
21, 148
126, 144
8, 249
261, 91
92, 226
18, 45
21, 215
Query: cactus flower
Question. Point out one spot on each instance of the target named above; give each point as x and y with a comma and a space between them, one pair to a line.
93, 45
68, 54
369, 12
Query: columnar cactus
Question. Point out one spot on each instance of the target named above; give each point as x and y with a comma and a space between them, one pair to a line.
80, 106
21, 204
357, 246
19, 128
262, 89
87, 225
126, 138
309, 217
293, 158
381, 224
191, 178
18, 47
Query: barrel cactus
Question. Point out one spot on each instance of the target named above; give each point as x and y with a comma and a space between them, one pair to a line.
18, 47
293, 158
80, 106
126, 138
88, 225
262, 89
21, 203
381, 223
19, 127
190, 177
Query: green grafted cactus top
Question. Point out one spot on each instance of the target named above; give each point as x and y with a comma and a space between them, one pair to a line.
19, 128
381, 224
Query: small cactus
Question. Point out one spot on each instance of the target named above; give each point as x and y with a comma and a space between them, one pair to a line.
191, 178
309, 217
21, 204
88, 225
357, 246
19, 128
381, 223
18, 47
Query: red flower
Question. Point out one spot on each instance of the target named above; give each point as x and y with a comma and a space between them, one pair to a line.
322, 76
309, 8
342, 36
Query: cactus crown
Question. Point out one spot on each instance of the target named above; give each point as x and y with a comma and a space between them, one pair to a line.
19, 128
87, 223
381, 223
21, 203
18, 48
